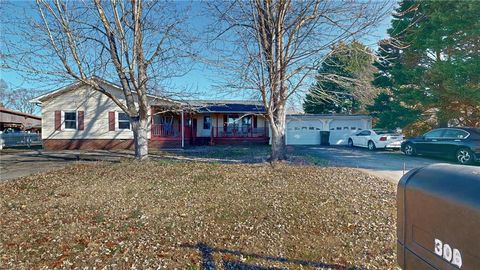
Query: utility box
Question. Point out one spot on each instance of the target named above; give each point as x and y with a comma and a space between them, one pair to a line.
324, 137
438, 218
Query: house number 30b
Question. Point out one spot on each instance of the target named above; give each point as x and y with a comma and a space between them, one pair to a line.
452, 255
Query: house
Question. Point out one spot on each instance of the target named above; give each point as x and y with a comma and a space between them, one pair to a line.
18, 121
326, 129
78, 117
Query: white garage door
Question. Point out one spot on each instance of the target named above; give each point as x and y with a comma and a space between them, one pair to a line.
303, 132
340, 130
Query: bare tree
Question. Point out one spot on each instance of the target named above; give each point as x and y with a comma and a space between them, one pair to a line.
136, 42
274, 46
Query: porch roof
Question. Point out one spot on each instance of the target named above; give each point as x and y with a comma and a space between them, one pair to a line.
227, 106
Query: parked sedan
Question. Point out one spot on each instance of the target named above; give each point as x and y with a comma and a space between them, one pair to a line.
463, 144
374, 139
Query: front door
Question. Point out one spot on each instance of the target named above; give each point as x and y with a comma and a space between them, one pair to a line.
194, 130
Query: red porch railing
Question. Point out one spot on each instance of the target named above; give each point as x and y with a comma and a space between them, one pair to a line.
233, 131
165, 130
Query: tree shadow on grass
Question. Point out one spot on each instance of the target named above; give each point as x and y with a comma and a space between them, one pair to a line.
208, 262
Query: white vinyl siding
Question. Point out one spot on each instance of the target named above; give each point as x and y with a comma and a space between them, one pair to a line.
96, 107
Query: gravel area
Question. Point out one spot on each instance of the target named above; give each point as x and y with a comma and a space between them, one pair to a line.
192, 215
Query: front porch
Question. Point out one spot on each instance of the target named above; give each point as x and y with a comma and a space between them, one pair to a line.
193, 128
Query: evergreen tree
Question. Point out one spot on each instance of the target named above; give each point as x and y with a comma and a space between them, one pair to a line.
390, 114
430, 64
334, 89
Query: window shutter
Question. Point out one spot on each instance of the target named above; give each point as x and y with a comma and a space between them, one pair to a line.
80, 116
254, 121
58, 120
111, 121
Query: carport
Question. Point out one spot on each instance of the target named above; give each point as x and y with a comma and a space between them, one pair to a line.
306, 129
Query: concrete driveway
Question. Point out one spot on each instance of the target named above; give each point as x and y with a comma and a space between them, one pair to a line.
23, 163
383, 163
389, 165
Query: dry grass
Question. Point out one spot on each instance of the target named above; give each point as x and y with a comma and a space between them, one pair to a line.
167, 214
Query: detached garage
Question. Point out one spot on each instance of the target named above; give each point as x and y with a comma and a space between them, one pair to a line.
315, 129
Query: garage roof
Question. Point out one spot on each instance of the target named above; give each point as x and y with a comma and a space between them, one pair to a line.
328, 116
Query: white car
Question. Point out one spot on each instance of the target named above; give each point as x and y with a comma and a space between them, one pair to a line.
374, 139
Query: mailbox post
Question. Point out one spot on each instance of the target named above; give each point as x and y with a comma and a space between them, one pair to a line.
438, 218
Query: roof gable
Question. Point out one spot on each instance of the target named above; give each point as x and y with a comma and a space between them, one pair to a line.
76, 85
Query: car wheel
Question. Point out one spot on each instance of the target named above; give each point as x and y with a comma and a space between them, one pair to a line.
350, 143
409, 150
464, 156
371, 146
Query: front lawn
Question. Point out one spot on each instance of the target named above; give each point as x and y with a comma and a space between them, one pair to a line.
190, 215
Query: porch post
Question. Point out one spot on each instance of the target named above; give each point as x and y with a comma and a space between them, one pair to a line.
183, 132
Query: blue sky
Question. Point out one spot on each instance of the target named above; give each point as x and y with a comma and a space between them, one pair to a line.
200, 79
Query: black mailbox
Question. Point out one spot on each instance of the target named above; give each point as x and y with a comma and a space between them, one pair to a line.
438, 218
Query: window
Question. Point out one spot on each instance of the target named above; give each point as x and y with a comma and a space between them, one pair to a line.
364, 133
311, 128
162, 119
247, 120
70, 119
232, 119
207, 122
123, 121
436, 133
455, 134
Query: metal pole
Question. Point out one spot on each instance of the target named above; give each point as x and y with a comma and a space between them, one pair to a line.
183, 131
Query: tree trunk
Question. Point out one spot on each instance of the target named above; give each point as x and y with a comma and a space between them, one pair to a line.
279, 151
140, 138
278, 145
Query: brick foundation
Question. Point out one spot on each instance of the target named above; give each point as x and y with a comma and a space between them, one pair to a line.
240, 141
117, 144
103, 144
161, 144
87, 144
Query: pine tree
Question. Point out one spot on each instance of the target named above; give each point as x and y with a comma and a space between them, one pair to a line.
339, 75
430, 64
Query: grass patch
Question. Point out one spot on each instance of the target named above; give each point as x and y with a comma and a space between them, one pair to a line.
244, 153
170, 214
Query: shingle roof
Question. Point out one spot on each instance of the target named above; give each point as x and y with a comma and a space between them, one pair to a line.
227, 106
74, 85
237, 108
5, 110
